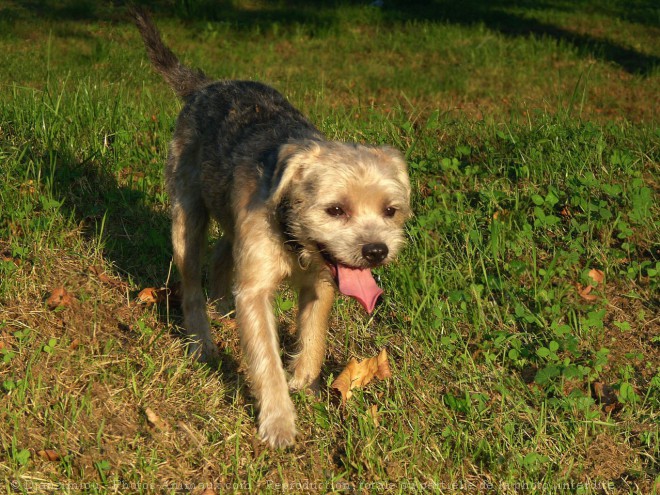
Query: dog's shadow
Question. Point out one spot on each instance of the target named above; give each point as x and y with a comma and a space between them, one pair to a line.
134, 237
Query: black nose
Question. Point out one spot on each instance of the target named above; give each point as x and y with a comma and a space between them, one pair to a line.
375, 252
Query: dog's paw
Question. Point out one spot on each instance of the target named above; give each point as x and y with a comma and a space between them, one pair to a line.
278, 430
204, 352
313, 386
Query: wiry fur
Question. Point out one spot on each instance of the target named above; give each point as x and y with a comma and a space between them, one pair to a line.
244, 156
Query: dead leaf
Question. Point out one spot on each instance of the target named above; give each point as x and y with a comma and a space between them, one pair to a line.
584, 292
148, 296
209, 491
597, 276
59, 297
151, 295
358, 374
154, 420
49, 455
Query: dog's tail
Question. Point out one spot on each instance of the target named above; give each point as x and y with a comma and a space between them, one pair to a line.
182, 79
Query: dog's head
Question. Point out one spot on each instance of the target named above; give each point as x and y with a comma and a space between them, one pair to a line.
347, 204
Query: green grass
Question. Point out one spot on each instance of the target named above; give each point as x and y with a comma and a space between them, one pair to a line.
532, 139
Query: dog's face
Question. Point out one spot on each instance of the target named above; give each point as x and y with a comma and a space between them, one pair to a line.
348, 203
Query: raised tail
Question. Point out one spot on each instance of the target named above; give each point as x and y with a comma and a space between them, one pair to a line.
183, 80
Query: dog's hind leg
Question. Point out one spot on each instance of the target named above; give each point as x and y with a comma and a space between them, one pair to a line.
222, 273
190, 220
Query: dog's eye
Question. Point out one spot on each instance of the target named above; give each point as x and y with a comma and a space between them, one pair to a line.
335, 211
390, 211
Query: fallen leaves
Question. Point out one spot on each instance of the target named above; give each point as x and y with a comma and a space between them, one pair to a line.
597, 277
358, 374
49, 455
151, 295
59, 298
155, 421
148, 296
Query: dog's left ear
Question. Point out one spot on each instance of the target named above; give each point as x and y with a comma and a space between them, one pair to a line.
394, 158
292, 160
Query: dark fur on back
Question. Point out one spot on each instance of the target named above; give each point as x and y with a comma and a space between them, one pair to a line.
182, 79
226, 122
242, 121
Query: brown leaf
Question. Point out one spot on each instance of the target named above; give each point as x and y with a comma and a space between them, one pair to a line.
597, 276
154, 420
151, 295
585, 292
59, 297
148, 296
358, 374
49, 455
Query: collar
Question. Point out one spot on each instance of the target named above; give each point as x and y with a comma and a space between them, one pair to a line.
283, 214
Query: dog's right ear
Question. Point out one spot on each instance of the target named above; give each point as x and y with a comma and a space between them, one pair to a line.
292, 161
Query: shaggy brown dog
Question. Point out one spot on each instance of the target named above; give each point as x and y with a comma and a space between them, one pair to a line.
292, 206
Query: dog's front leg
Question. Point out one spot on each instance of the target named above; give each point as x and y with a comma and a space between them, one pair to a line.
315, 302
267, 379
257, 278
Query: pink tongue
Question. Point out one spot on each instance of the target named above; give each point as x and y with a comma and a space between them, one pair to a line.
360, 284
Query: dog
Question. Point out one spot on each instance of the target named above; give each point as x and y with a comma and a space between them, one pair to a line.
292, 206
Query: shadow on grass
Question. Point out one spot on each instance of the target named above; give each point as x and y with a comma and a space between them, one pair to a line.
133, 236
498, 15
505, 17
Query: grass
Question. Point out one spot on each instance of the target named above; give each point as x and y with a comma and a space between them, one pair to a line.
532, 138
